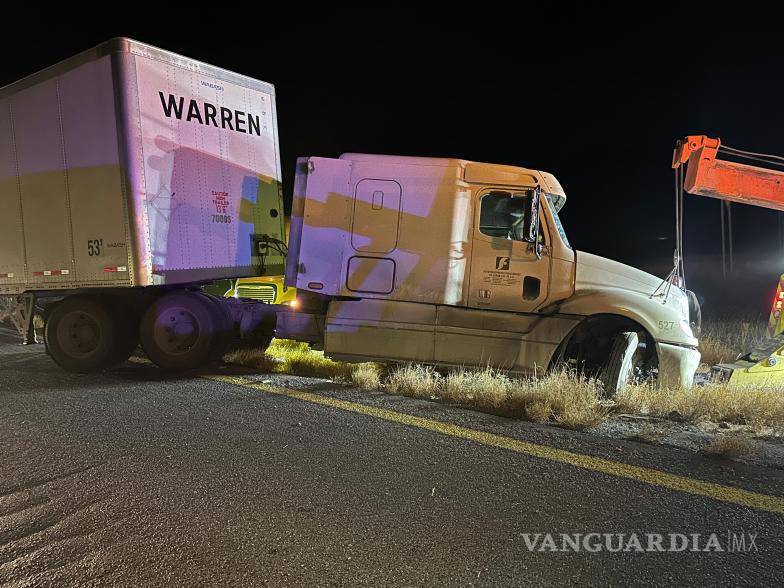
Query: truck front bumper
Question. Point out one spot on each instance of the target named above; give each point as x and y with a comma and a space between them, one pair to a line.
677, 365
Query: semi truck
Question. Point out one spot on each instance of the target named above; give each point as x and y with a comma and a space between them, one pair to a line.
131, 177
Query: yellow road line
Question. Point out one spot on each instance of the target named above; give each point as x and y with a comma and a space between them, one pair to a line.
729, 494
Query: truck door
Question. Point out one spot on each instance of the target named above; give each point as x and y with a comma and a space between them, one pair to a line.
506, 271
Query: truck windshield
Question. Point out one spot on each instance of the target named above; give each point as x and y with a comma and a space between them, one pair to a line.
557, 220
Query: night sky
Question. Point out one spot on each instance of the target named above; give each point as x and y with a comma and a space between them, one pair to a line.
595, 96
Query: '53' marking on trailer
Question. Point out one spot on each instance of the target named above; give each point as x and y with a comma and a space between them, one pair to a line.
94, 247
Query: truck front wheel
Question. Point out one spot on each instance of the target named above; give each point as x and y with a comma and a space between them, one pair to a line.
179, 331
80, 334
611, 349
618, 369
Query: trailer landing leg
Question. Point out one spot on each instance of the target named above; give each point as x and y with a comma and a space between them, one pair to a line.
23, 317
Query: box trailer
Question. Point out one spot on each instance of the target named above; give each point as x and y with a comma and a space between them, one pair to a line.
127, 172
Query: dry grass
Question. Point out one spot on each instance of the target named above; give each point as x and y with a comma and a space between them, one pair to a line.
366, 376
299, 359
732, 445
252, 358
721, 341
566, 400
758, 406
292, 357
559, 398
488, 388
414, 380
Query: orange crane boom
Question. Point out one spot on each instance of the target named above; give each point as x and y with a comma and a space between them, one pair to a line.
706, 175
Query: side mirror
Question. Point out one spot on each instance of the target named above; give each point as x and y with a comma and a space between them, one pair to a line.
531, 219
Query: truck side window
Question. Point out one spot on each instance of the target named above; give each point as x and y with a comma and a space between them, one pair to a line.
502, 215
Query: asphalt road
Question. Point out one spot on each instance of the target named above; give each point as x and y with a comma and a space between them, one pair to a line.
131, 478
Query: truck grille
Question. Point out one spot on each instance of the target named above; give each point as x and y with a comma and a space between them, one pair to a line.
264, 292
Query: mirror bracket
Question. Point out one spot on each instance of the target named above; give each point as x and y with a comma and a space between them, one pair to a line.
531, 225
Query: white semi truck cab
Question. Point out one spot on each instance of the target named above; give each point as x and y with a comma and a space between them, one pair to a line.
456, 263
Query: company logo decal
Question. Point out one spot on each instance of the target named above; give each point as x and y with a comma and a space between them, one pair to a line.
208, 114
502, 263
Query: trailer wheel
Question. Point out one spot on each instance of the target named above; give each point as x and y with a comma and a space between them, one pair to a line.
619, 367
179, 330
80, 334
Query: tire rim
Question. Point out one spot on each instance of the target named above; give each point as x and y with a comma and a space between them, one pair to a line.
79, 334
176, 331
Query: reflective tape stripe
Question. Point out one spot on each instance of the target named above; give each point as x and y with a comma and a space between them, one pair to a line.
57, 272
11, 275
119, 268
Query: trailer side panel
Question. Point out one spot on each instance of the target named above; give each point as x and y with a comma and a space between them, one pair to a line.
43, 184
12, 259
63, 223
98, 216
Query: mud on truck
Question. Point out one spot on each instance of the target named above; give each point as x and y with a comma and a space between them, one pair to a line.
131, 177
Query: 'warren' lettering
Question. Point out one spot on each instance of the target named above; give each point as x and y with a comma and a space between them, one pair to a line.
208, 114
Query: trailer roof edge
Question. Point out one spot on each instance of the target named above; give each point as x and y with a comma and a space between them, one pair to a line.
128, 45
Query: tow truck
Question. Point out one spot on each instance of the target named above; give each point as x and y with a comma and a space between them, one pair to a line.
708, 174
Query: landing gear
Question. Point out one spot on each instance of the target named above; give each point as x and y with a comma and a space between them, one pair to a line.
182, 331
22, 312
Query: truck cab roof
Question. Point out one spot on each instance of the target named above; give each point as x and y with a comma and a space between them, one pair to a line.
474, 172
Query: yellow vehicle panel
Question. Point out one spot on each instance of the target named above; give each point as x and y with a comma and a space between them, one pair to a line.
267, 289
